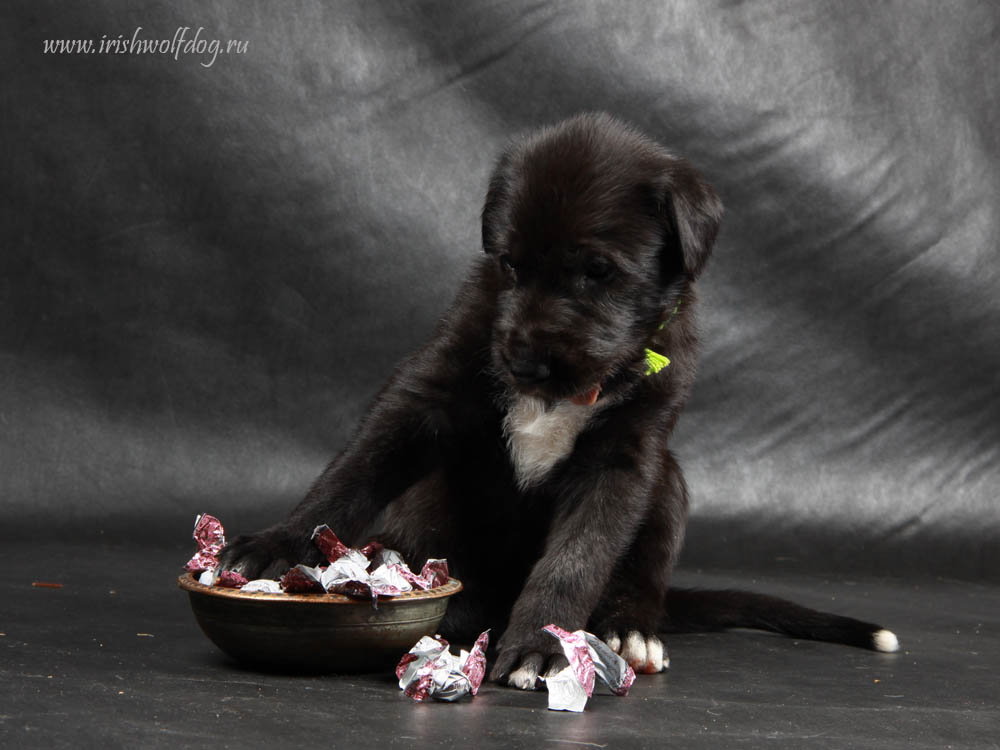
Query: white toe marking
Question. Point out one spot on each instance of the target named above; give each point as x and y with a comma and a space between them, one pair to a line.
885, 640
613, 641
634, 649
654, 655
525, 676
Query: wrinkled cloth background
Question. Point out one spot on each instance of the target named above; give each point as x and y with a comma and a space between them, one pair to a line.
207, 271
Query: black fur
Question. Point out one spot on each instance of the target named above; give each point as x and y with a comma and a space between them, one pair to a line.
594, 236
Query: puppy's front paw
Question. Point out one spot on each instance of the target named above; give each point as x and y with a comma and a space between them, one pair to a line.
534, 665
646, 654
520, 662
266, 554
525, 676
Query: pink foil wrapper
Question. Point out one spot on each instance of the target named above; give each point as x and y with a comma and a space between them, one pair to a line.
328, 543
475, 665
357, 590
230, 579
302, 580
412, 578
433, 574
211, 538
421, 686
201, 561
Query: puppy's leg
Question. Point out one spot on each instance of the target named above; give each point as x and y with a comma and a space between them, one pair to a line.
631, 608
393, 448
602, 505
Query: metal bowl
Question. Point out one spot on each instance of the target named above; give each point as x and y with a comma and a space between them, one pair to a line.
315, 632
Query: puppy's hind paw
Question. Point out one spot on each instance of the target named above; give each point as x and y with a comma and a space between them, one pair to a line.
644, 653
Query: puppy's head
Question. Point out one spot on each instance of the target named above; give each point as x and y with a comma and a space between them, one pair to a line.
593, 231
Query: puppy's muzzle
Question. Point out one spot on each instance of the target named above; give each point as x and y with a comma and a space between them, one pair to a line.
527, 365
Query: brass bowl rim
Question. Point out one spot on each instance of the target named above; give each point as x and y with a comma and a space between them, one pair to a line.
189, 583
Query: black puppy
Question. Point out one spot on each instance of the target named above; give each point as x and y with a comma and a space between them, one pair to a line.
527, 442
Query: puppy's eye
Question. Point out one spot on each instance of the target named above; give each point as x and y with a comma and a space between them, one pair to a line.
598, 269
506, 262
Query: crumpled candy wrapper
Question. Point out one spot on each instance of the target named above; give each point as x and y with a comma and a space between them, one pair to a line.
211, 538
230, 579
433, 574
302, 580
262, 586
331, 547
430, 670
589, 658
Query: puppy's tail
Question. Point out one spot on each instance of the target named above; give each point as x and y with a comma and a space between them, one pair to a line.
696, 610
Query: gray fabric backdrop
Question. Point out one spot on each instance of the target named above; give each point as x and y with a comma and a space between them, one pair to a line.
210, 265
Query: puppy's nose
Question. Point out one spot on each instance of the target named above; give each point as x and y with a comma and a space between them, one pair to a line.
528, 366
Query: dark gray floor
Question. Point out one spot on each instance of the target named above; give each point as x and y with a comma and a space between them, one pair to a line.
114, 659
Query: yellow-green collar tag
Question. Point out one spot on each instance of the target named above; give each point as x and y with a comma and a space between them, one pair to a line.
654, 360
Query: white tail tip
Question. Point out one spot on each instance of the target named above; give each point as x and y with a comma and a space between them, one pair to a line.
885, 640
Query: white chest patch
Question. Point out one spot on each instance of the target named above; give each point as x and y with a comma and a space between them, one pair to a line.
539, 438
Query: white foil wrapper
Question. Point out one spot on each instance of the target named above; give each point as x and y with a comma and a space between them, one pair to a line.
353, 566
565, 691
262, 586
387, 580
388, 557
207, 577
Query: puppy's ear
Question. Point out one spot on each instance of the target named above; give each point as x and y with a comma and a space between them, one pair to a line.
694, 213
495, 216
